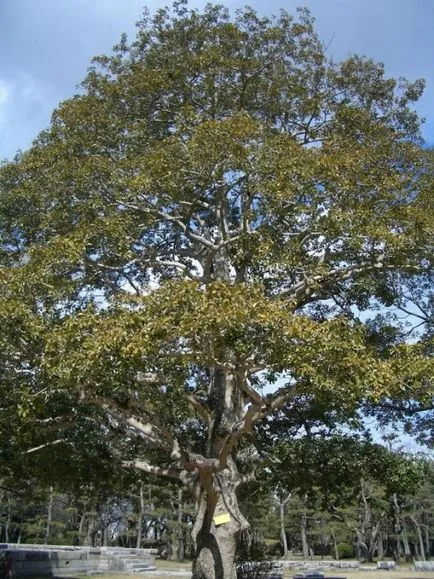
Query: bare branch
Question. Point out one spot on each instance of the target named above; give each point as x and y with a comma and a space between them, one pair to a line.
424, 318
198, 406
287, 499
281, 397
254, 413
176, 474
152, 431
176, 264
251, 393
198, 461
304, 289
418, 305
45, 445
55, 420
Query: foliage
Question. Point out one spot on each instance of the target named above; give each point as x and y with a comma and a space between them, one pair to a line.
206, 218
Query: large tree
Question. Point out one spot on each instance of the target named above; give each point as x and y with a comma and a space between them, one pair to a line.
203, 220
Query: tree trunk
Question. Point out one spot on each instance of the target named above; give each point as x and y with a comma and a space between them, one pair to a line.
304, 542
358, 549
80, 532
380, 546
106, 537
180, 530
335, 545
141, 515
427, 541
219, 522
373, 541
282, 505
407, 550
420, 538
8, 522
92, 528
282, 529
218, 526
361, 546
398, 526
366, 534
49, 517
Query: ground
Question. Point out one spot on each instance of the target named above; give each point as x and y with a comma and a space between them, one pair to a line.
174, 570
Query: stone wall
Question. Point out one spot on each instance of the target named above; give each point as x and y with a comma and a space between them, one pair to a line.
37, 560
307, 565
424, 565
277, 568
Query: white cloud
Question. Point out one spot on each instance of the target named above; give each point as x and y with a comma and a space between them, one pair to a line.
4, 97
4, 94
23, 112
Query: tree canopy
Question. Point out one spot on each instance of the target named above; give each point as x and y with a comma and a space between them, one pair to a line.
213, 214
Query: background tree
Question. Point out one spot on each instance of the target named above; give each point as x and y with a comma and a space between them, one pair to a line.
203, 220
344, 490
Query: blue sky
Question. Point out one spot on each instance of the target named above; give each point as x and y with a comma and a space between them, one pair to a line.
46, 46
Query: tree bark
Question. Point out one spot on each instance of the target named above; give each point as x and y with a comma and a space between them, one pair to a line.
380, 546
407, 550
401, 531
369, 532
335, 545
8, 522
215, 541
282, 526
80, 532
427, 541
282, 504
92, 528
420, 538
304, 543
366, 523
180, 530
49, 517
141, 515
397, 526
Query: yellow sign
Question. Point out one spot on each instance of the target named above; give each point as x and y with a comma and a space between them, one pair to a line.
221, 519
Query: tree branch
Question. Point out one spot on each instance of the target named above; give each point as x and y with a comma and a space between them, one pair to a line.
251, 393
180, 475
199, 407
254, 413
153, 432
303, 289
45, 445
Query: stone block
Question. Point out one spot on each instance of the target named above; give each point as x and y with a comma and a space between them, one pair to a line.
424, 565
43, 560
386, 565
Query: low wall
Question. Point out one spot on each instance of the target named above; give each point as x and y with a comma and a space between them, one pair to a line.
50, 561
344, 564
248, 569
424, 565
276, 568
34, 560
